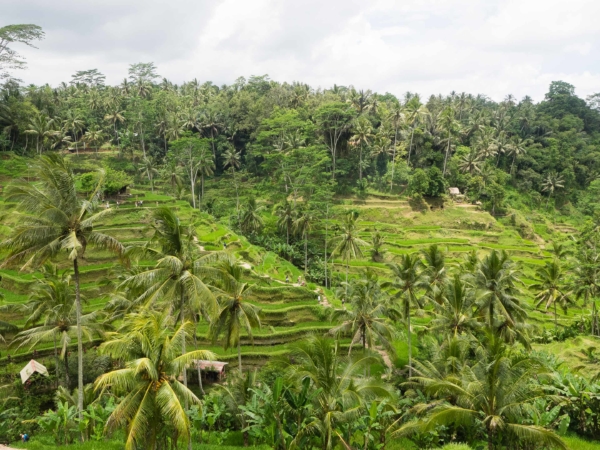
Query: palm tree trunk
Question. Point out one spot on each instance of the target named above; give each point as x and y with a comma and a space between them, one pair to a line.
192, 188
79, 342
55, 358
326, 219
360, 163
555, 321
239, 349
212, 140
305, 253
446, 158
410, 145
66, 360
409, 343
394, 158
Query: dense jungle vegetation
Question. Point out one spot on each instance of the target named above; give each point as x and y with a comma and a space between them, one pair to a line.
308, 238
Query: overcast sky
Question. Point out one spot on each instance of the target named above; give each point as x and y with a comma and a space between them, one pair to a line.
493, 47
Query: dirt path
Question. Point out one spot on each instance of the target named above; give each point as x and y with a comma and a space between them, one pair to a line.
4, 447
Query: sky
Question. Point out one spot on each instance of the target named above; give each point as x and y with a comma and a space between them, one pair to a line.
491, 47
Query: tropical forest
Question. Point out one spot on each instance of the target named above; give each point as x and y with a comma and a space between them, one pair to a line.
272, 265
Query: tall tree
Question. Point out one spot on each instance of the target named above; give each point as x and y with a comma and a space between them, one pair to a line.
152, 400
236, 313
11, 34
55, 220
348, 244
408, 280
333, 120
552, 287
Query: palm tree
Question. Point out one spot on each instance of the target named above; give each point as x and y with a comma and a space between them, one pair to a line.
206, 167
235, 313
552, 182
451, 127
148, 166
232, 159
73, 123
251, 218
493, 393
363, 133
368, 319
153, 401
470, 162
415, 113
551, 287
340, 393
211, 121
516, 148
408, 279
586, 280
435, 268
54, 221
52, 302
42, 127
348, 244
303, 225
94, 136
497, 277
179, 279
454, 308
115, 117
377, 243
396, 116
285, 218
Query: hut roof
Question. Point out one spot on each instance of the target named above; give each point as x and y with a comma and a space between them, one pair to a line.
210, 366
32, 367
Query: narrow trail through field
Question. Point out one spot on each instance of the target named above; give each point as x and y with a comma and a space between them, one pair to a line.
4, 447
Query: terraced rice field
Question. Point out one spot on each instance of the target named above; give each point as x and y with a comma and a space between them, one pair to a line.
291, 312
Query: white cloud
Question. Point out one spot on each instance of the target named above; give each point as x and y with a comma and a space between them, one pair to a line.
494, 47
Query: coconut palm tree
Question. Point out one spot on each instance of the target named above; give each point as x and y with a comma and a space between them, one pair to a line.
336, 379
454, 308
179, 281
232, 158
54, 220
114, 118
211, 121
42, 127
492, 393
552, 287
251, 218
497, 277
517, 148
408, 279
434, 262
363, 133
551, 184
285, 218
206, 167
73, 123
153, 400
348, 244
303, 225
451, 127
52, 316
369, 318
470, 162
148, 166
396, 116
235, 313
415, 113
94, 136
377, 243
